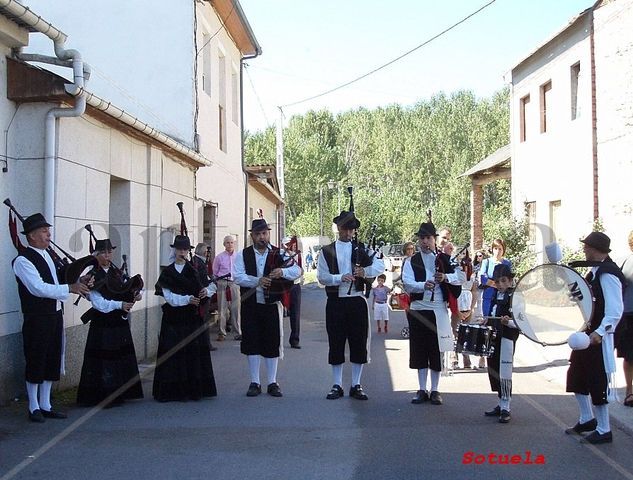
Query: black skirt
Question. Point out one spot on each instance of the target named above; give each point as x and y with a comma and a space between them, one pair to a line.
183, 363
110, 365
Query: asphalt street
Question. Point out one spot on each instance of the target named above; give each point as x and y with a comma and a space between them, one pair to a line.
305, 436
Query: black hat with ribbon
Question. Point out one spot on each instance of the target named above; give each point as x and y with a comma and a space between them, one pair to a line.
34, 222
103, 245
347, 220
181, 242
426, 229
599, 241
259, 225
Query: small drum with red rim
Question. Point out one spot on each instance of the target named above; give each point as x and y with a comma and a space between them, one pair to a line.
475, 340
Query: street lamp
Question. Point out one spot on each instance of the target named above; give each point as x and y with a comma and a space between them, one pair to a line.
321, 210
331, 184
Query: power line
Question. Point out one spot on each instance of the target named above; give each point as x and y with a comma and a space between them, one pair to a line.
426, 42
259, 101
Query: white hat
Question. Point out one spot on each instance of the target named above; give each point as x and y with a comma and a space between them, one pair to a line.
553, 252
578, 341
286, 240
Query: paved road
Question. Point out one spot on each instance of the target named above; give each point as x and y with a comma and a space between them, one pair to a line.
305, 436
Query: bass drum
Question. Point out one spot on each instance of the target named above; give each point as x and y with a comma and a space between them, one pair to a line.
551, 302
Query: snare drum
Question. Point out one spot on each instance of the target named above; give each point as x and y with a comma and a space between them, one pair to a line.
476, 340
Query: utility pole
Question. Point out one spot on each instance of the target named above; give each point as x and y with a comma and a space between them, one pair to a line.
280, 171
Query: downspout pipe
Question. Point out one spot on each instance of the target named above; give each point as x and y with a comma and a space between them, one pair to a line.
248, 57
25, 15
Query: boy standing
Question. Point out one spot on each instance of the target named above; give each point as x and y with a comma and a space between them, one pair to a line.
380, 305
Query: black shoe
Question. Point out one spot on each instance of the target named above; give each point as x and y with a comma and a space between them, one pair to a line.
53, 414
237, 337
582, 427
596, 438
357, 392
336, 392
420, 397
274, 390
36, 416
504, 416
212, 348
295, 345
254, 389
495, 412
436, 398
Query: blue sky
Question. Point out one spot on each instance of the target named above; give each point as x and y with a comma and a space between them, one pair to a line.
312, 46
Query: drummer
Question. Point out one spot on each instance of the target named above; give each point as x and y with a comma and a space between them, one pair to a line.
500, 363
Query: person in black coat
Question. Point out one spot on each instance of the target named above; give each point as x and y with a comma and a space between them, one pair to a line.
183, 362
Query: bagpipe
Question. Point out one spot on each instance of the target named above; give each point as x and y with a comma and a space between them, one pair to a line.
119, 285
361, 255
69, 268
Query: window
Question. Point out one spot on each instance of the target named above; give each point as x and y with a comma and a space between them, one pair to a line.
575, 78
208, 225
222, 128
235, 98
206, 64
222, 102
545, 99
523, 106
554, 219
530, 213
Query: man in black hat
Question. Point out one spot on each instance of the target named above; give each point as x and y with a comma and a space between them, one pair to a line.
589, 369
428, 277
263, 272
342, 268
41, 297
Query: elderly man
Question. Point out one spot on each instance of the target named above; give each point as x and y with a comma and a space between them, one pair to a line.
262, 271
222, 265
588, 372
41, 295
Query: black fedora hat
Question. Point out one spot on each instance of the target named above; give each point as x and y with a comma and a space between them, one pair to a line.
34, 222
346, 220
259, 225
502, 270
426, 229
599, 241
103, 245
181, 242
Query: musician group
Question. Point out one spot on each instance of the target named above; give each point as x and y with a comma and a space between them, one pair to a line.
264, 273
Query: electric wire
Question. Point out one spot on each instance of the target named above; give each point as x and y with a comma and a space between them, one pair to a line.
377, 69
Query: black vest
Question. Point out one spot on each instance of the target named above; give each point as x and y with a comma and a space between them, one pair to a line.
278, 286
607, 266
443, 262
504, 307
364, 260
32, 305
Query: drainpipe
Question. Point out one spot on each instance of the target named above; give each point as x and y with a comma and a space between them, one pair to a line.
594, 123
50, 143
59, 38
248, 57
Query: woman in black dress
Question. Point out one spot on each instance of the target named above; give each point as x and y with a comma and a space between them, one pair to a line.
183, 363
110, 370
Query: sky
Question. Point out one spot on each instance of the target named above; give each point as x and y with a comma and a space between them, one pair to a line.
309, 47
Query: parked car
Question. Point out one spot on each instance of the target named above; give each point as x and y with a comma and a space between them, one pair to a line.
393, 256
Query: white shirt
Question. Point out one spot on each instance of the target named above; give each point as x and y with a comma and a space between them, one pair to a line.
176, 300
344, 262
613, 304
411, 286
248, 281
32, 280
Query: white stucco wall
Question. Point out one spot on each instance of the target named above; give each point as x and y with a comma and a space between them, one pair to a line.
147, 185
224, 182
141, 53
555, 165
614, 104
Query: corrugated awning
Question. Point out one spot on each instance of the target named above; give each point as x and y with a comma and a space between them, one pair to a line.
492, 162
